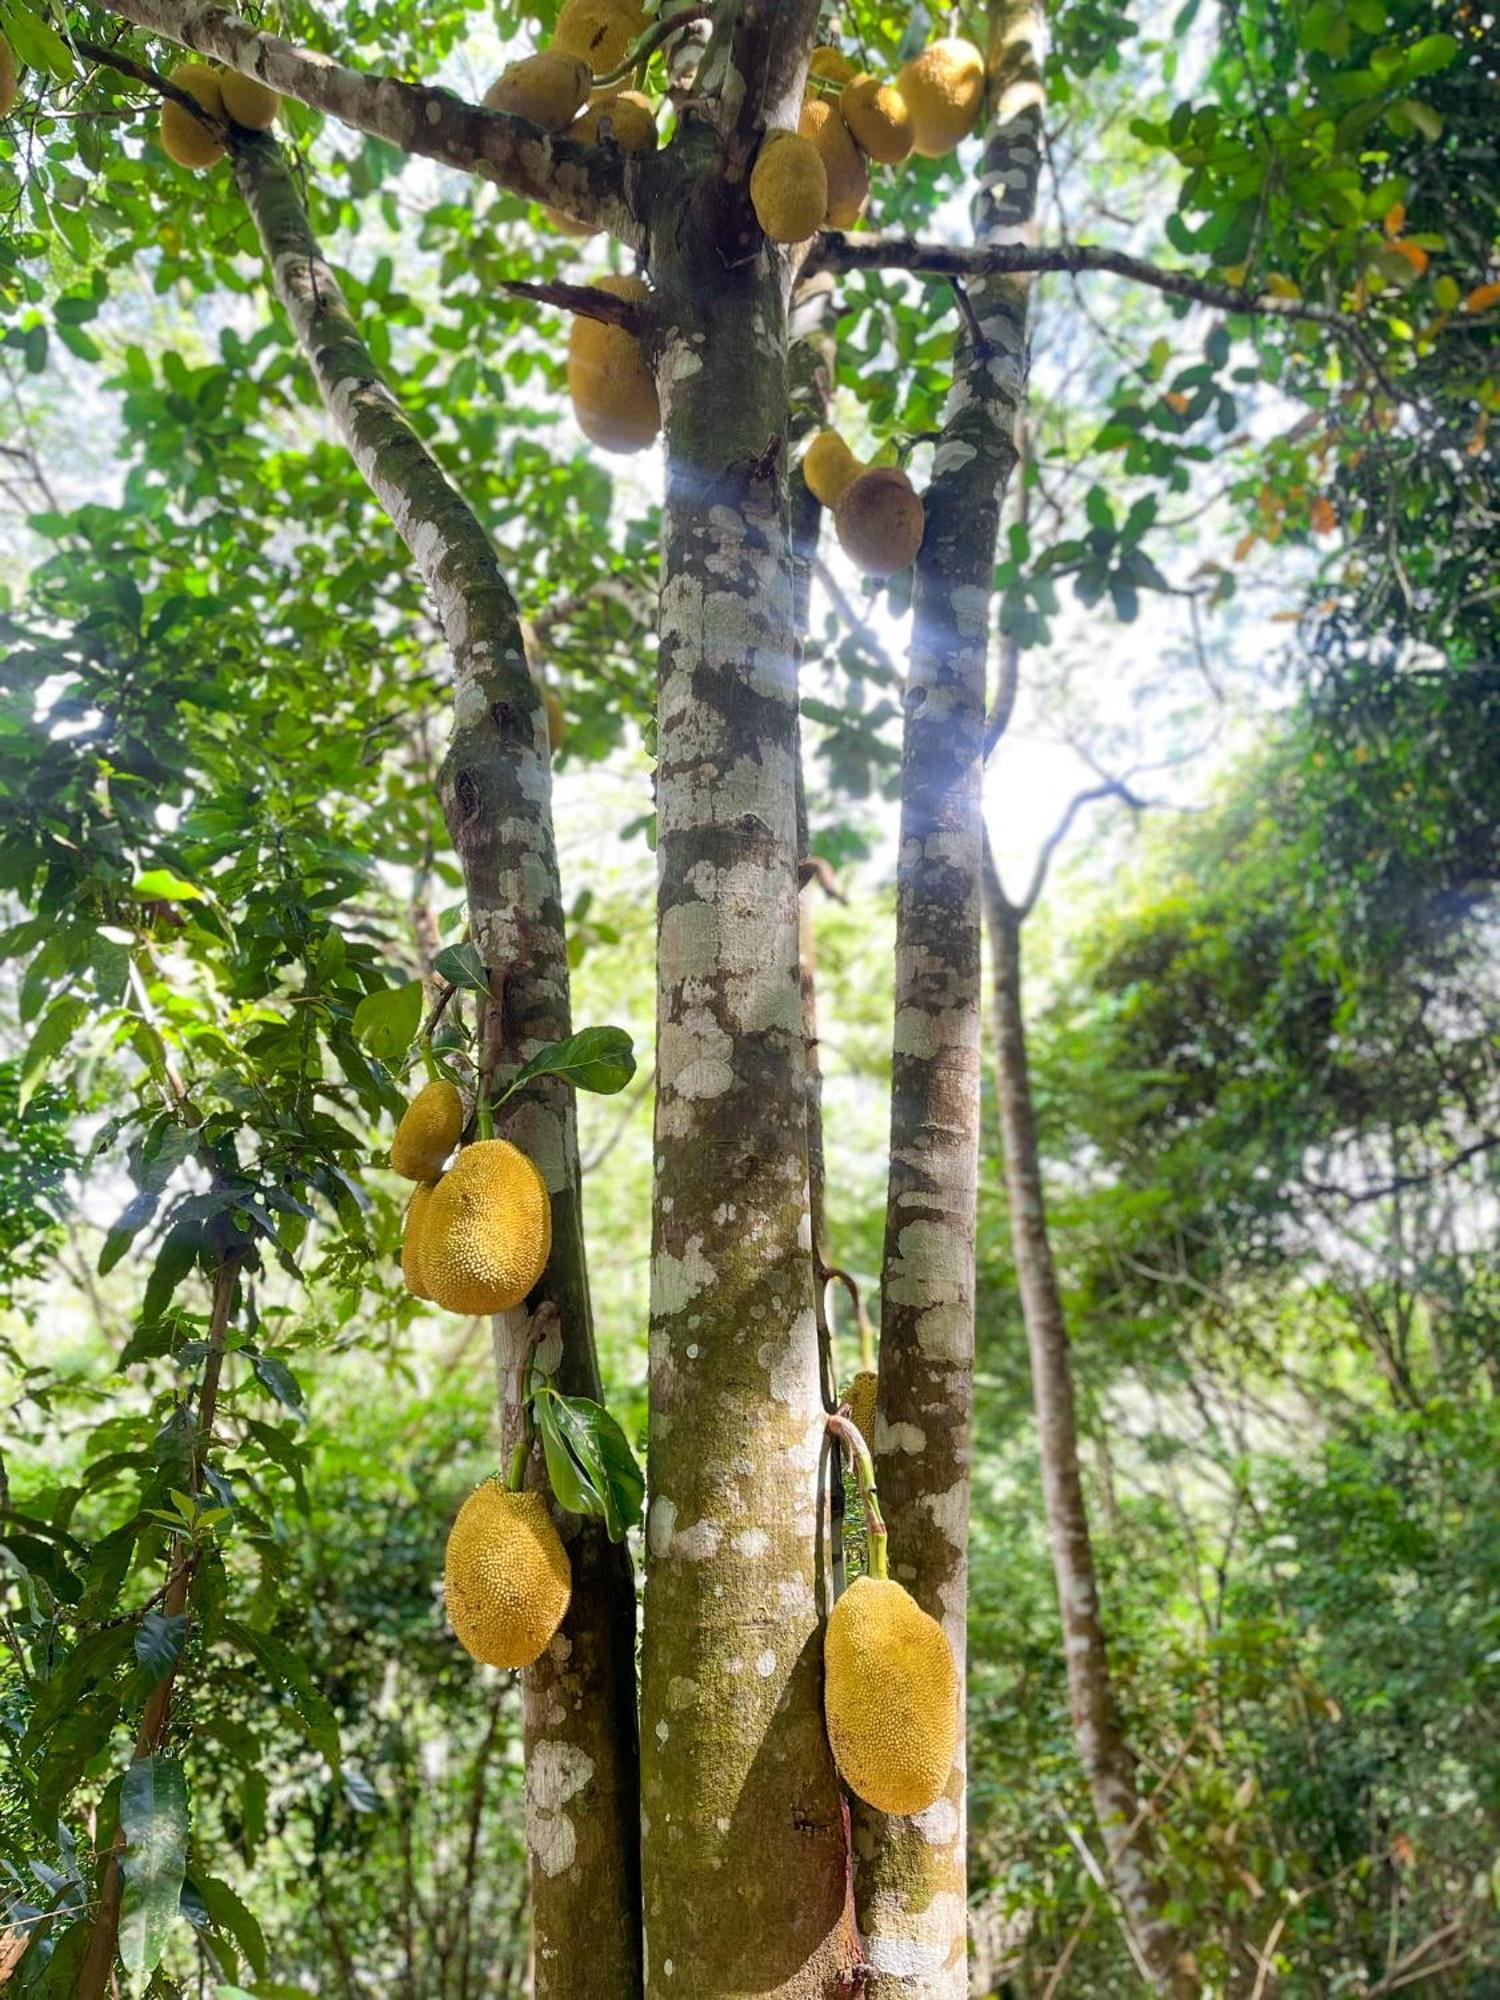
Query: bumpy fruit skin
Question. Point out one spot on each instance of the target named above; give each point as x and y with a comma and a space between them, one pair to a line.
487, 1231
632, 122
8, 78
848, 179
183, 139
506, 1578
860, 1396
890, 1697
428, 1131
879, 521
943, 88
830, 63
613, 391
598, 30
828, 466
789, 187
549, 89
413, 1236
879, 119
249, 102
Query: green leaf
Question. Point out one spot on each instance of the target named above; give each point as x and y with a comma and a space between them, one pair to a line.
37, 44
461, 965
154, 1817
1432, 53
158, 1642
601, 1059
386, 1022
589, 1461
228, 1914
160, 885
48, 1043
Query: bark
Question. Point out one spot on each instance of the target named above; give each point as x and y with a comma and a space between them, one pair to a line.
589, 183
1107, 1761
581, 1742
745, 1847
911, 1874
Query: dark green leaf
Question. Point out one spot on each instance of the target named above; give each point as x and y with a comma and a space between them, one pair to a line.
154, 1818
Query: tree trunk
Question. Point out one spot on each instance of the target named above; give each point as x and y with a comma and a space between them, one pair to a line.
1108, 1763
911, 1876
581, 1741
745, 1846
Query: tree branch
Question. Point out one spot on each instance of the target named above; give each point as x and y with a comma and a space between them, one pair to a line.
1112, 788
592, 184
589, 300
1398, 1183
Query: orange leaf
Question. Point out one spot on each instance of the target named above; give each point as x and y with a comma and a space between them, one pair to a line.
1175, 400
1395, 218
1244, 545
1323, 515
1414, 254
1482, 298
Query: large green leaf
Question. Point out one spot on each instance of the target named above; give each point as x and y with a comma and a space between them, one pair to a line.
154, 1818
589, 1461
386, 1022
598, 1059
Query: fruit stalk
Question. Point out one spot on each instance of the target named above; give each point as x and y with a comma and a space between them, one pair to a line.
864, 1471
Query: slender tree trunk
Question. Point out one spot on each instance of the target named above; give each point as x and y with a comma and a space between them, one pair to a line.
581, 1742
745, 1846
1108, 1763
911, 1875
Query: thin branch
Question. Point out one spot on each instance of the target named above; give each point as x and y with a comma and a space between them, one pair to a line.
1399, 1182
589, 300
1113, 788
977, 338
642, 51
142, 73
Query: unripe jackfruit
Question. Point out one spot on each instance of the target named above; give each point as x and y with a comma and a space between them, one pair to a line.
8, 78
506, 1579
848, 178
890, 1697
943, 88
249, 102
830, 63
789, 187
860, 1396
549, 89
632, 122
613, 391
413, 1232
879, 521
598, 30
828, 466
879, 119
183, 138
487, 1231
428, 1131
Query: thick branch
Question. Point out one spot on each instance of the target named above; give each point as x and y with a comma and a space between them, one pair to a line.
588, 300
588, 183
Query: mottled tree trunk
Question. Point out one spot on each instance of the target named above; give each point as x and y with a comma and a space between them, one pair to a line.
745, 1847
911, 1874
581, 1743
1107, 1761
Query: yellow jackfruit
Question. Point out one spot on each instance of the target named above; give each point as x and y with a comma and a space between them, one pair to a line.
8, 78
598, 30
830, 63
860, 1396
632, 122
183, 138
613, 390
487, 1231
848, 177
566, 226
428, 1131
506, 1579
549, 89
890, 1697
412, 1236
879, 119
943, 88
828, 465
557, 721
879, 520
789, 187
249, 102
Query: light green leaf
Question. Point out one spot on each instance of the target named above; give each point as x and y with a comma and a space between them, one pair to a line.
154, 1818
48, 1043
160, 885
386, 1022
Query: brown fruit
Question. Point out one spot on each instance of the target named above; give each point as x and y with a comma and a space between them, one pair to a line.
879, 119
789, 187
549, 90
879, 521
249, 102
183, 137
830, 63
9, 75
848, 180
613, 391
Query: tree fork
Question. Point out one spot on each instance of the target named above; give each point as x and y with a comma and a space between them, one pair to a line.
581, 1740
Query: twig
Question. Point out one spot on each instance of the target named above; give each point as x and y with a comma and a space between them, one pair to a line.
642, 51
1113, 788
588, 300
977, 340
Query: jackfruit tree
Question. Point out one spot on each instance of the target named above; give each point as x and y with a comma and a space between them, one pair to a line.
740, 229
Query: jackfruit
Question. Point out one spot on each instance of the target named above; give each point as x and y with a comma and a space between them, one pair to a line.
789, 187
890, 1697
412, 1236
613, 391
828, 465
943, 88
598, 30
632, 122
830, 63
182, 137
8, 78
848, 178
565, 225
879, 520
506, 1579
249, 102
487, 1231
428, 1131
557, 721
549, 90
860, 1396
879, 119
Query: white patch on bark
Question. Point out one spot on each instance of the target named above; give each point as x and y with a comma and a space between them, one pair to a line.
752, 1542
555, 1773
677, 1281
660, 1523
951, 456
765, 1666
697, 1543
898, 1437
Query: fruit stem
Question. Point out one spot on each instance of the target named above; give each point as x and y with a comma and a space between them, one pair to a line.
486, 1119
864, 1470
515, 1477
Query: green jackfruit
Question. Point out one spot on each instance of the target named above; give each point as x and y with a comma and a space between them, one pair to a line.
183, 137
890, 1697
789, 187
860, 1396
428, 1131
506, 1579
